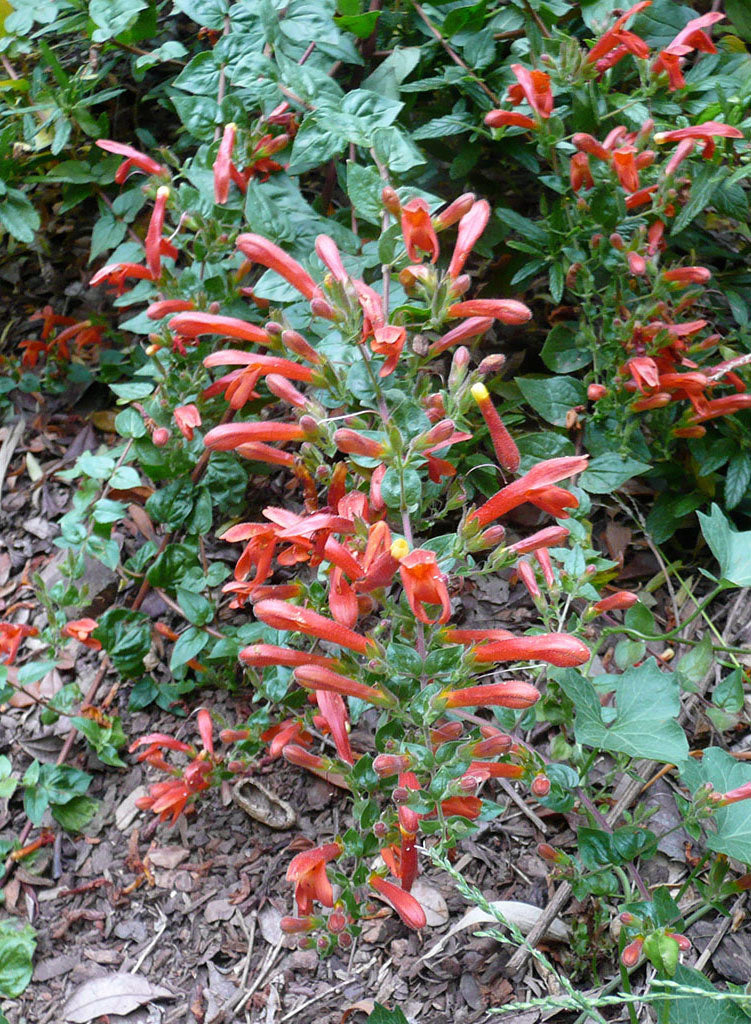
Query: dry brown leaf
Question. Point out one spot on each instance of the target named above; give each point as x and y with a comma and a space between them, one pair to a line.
112, 993
431, 901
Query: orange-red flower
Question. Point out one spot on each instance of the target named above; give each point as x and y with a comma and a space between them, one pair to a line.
619, 37
510, 118
81, 630
705, 133
559, 649
308, 872
511, 693
471, 227
334, 711
534, 87
314, 677
328, 253
580, 174
472, 327
261, 250
406, 906
535, 487
223, 163
388, 341
133, 159
229, 436
621, 599
281, 615
193, 325
418, 230
508, 311
154, 244
503, 443
689, 38
11, 636
187, 418
423, 583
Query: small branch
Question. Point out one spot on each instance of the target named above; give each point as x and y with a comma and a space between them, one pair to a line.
453, 54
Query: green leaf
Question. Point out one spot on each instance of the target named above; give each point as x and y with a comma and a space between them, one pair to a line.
315, 143
697, 1009
607, 473
364, 185
390, 74
77, 813
732, 823
126, 636
189, 644
17, 945
704, 185
106, 740
560, 352
737, 479
113, 17
18, 216
396, 150
172, 504
647, 703
662, 952
728, 694
198, 609
739, 15
381, 1015
209, 13
731, 548
553, 398
360, 25
392, 492
695, 664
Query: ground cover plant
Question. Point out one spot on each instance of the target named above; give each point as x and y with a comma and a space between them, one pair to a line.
411, 344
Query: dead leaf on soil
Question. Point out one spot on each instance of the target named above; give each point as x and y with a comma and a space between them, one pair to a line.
524, 915
112, 993
363, 1006
263, 805
431, 901
126, 813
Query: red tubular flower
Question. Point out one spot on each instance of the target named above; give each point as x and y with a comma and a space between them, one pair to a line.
118, 273
493, 746
637, 265
580, 174
559, 649
187, 417
81, 630
296, 925
632, 952
639, 198
510, 118
508, 311
406, 906
281, 615
550, 537
622, 599
734, 796
462, 806
689, 38
328, 254
644, 371
526, 574
687, 275
454, 211
261, 250
614, 37
588, 144
482, 770
280, 736
388, 341
222, 164
206, 730
308, 872
385, 765
256, 451
724, 406
11, 636
228, 436
624, 164
313, 677
423, 583
353, 443
334, 711
133, 159
471, 636
471, 227
281, 387
534, 87
503, 443
153, 241
535, 487
705, 133
418, 230
297, 344
193, 325
472, 327
542, 556
260, 655
157, 310
511, 693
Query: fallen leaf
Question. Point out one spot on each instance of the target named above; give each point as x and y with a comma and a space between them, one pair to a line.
431, 901
127, 811
168, 856
524, 915
111, 993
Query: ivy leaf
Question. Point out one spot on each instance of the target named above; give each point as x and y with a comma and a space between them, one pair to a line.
647, 703
698, 1009
607, 473
731, 548
553, 398
17, 945
732, 823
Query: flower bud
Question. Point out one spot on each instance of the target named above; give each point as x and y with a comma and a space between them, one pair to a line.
492, 364
540, 786
385, 765
616, 241
596, 391
459, 365
632, 952
160, 437
390, 200
549, 853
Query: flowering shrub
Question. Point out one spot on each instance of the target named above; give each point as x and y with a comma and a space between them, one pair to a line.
339, 333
